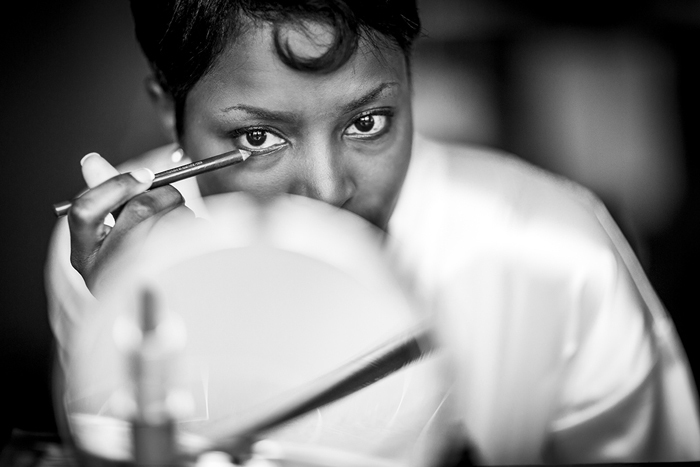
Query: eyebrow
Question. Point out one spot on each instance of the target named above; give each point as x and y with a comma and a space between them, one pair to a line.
367, 98
265, 114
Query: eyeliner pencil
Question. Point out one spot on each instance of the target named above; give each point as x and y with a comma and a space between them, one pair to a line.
180, 173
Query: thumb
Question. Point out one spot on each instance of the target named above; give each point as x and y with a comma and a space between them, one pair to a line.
96, 169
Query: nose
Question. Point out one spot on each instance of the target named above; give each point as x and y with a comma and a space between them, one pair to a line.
324, 175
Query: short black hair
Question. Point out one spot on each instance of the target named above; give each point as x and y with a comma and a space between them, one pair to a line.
182, 38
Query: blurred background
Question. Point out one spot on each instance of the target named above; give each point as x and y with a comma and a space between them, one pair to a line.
602, 92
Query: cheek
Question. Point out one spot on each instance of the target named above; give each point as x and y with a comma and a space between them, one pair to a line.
381, 184
393, 171
263, 177
386, 177
385, 172
242, 178
217, 183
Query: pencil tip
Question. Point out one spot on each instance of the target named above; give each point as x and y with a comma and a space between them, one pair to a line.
244, 154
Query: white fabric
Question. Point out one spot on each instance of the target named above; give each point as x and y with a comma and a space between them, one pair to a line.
561, 350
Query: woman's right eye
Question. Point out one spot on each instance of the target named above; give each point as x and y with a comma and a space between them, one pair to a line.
258, 139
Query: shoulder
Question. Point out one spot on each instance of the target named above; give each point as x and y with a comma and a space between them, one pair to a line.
475, 211
482, 194
526, 269
518, 188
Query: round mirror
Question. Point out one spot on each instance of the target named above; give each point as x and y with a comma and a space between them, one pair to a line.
268, 323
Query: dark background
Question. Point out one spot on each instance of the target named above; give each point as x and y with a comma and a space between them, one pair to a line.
603, 92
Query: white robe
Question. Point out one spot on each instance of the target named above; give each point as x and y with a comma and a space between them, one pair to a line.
561, 350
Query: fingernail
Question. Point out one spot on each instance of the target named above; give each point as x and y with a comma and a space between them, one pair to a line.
109, 220
143, 175
177, 155
86, 156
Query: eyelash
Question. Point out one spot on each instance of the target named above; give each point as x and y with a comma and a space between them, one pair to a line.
235, 134
383, 112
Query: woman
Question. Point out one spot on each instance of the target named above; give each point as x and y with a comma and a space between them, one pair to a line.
562, 351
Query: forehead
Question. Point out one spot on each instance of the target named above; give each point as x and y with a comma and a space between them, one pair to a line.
250, 70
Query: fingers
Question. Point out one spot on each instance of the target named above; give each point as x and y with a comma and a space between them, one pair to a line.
96, 170
153, 204
86, 216
92, 207
95, 247
138, 216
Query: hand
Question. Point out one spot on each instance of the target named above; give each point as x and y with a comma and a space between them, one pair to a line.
95, 244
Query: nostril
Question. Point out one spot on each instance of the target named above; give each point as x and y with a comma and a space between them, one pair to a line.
329, 186
335, 190
323, 174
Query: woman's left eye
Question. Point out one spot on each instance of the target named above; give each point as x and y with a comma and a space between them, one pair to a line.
258, 139
368, 125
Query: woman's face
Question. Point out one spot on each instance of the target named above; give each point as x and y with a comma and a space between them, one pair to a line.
342, 137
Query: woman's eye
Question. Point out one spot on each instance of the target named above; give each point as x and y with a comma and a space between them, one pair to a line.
368, 125
258, 140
